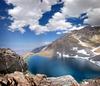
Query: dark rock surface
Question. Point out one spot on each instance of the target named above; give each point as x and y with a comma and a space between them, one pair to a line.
96, 58
10, 61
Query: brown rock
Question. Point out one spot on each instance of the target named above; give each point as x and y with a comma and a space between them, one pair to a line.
10, 61
20, 79
63, 81
94, 82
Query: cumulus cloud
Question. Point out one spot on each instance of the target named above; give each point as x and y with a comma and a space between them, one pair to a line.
94, 17
46, 42
69, 30
76, 7
58, 23
28, 13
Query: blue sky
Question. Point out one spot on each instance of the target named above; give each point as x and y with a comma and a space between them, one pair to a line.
29, 40
25, 25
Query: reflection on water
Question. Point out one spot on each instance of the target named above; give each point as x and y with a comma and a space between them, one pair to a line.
78, 68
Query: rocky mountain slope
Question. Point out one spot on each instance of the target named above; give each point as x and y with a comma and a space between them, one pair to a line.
83, 43
10, 61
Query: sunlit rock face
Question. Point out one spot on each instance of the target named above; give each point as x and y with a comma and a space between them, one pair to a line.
91, 82
10, 61
83, 43
21, 79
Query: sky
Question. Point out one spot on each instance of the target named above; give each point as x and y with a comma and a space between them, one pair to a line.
27, 24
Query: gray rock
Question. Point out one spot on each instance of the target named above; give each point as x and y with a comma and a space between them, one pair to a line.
63, 81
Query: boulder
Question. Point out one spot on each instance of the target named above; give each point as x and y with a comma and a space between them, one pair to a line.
10, 61
91, 82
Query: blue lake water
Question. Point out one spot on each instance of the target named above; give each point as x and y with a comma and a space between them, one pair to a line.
79, 68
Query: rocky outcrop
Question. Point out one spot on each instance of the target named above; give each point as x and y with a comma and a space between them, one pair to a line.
20, 79
10, 61
92, 82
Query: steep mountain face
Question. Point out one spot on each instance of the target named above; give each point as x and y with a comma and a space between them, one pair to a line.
83, 43
10, 61
38, 49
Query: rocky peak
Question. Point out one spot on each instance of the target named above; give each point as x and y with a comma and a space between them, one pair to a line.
90, 31
6, 51
88, 35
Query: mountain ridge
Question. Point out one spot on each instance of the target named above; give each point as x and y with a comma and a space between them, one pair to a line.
83, 43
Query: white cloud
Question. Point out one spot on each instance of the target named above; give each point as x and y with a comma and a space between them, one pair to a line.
46, 43
69, 30
59, 33
94, 17
28, 13
76, 7
38, 29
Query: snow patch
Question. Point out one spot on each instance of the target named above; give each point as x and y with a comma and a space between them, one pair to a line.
95, 62
59, 54
64, 55
83, 52
68, 56
44, 48
75, 48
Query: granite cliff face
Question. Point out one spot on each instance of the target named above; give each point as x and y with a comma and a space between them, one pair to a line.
10, 61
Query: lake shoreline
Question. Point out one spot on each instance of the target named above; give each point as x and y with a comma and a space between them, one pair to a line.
61, 66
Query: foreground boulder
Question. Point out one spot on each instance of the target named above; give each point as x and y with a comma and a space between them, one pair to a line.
91, 82
10, 61
20, 79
